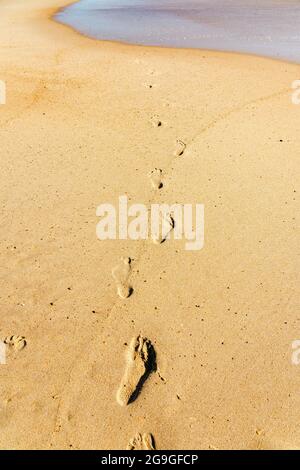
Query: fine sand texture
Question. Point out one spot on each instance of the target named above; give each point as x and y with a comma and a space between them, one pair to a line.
133, 344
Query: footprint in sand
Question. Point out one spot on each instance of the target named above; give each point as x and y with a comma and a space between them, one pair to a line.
141, 442
155, 121
121, 274
162, 232
180, 148
15, 342
156, 178
141, 361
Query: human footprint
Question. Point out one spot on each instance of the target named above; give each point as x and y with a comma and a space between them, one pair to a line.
121, 274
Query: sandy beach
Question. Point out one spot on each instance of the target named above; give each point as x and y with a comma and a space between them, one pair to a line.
79, 128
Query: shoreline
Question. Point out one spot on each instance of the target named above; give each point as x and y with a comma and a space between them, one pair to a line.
78, 130
129, 44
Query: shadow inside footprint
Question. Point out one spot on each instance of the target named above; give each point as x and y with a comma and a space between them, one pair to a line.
162, 231
124, 291
142, 442
180, 148
150, 366
156, 178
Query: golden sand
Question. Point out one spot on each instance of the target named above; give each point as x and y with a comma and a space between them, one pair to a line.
77, 130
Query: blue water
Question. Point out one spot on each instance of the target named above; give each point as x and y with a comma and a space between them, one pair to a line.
264, 27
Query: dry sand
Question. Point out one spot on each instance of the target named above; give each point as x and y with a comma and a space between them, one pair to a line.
77, 131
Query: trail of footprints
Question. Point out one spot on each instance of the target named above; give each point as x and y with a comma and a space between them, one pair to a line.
140, 354
166, 225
